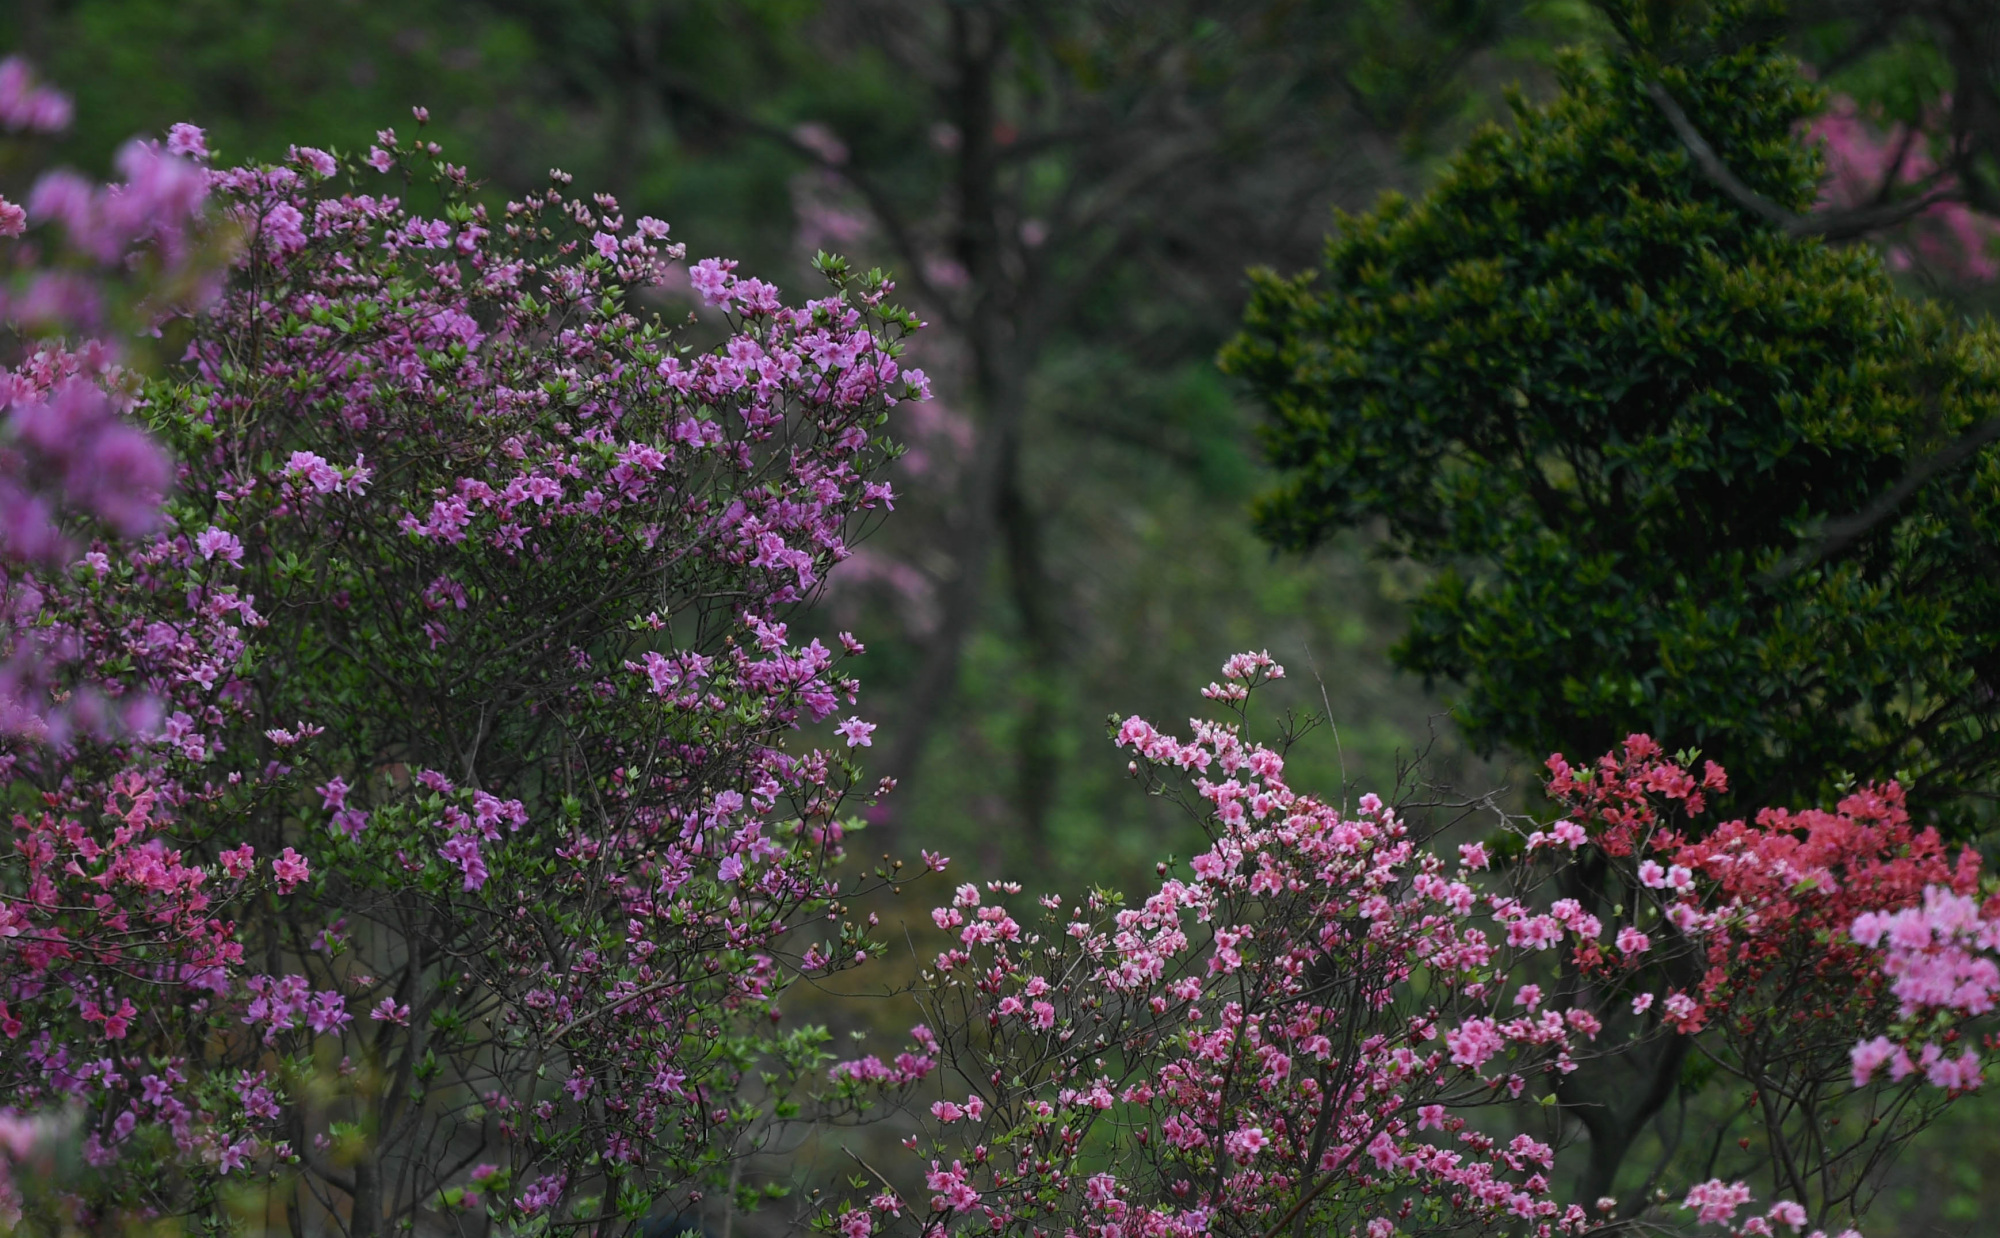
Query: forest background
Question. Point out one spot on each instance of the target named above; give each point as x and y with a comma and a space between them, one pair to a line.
1070, 194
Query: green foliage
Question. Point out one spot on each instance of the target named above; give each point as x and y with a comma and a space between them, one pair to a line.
1610, 411
259, 74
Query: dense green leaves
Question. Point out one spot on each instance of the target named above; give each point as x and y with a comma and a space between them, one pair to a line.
1611, 412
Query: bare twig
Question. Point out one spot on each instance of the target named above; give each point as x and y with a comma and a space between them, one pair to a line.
1338, 754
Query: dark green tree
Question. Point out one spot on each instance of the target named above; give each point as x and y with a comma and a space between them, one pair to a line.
1668, 464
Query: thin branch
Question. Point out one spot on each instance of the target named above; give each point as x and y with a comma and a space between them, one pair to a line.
885, 211
1830, 225
1836, 535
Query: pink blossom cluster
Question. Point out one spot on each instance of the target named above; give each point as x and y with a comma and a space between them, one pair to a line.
913, 1065
1938, 956
83, 267
1805, 947
1253, 1041
1716, 1202
1865, 158
103, 905
27, 105
1758, 901
1300, 1027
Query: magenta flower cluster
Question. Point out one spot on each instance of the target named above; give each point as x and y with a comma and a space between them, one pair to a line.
83, 268
450, 686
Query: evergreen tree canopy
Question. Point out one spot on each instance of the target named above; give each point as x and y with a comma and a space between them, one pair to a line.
1614, 415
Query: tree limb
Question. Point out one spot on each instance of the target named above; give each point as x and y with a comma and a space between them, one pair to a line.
1837, 535
1830, 225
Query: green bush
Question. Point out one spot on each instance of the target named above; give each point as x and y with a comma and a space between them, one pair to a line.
1608, 411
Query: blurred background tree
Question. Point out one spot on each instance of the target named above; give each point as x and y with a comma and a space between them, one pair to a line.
1071, 191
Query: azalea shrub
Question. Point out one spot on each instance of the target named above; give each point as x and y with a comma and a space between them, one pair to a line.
1328, 1021
452, 839
1748, 941
1268, 1038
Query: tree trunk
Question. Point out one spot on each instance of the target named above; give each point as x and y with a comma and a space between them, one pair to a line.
1614, 1099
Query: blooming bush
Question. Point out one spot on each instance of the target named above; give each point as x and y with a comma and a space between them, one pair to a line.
1740, 933
473, 846
1318, 1021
